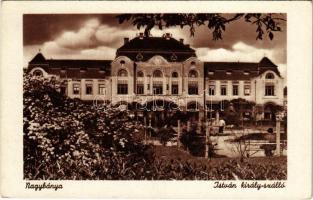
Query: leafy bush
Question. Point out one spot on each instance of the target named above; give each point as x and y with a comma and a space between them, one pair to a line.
232, 118
193, 142
252, 136
165, 134
268, 149
69, 139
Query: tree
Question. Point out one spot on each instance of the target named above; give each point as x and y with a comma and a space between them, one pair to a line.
230, 115
265, 23
165, 134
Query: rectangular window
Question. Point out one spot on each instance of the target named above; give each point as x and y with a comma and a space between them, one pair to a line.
235, 90
76, 88
122, 88
140, 89
247, 90
269, 90
174, 89
157, 89
223, 90
89, 89
212, 90
101, 89
193, 89
267, 116
63, 89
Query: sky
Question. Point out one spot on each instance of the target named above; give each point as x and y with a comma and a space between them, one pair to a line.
97, 36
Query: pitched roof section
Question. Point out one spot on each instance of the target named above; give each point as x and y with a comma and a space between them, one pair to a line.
238, 70
38, 59
63, 63
230, 70
218, 70
168, 47
231, 66
265, 62
90, 68
67, 63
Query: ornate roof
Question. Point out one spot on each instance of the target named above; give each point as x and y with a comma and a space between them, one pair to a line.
169, 48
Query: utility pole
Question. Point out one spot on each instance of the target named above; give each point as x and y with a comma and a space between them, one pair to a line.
145, 129
207, 135
150, 127
178, 133
204, 99
188, 126
278, 120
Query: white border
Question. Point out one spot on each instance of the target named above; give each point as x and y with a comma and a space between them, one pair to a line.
299, 52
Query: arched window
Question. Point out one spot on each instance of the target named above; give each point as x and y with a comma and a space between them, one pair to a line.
193, 85
122, 73
193, 74
269, 76
175, 88
193, 106
157, 86
174, 74
157, 73
37, 73
140, 74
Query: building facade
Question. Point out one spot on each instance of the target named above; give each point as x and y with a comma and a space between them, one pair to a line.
147, 70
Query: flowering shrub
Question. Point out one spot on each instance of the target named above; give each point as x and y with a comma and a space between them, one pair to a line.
65, 138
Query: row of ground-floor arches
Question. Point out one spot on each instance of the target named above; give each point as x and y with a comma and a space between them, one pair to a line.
160, 112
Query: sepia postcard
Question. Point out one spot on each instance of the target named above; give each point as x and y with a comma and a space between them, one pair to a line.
156, 99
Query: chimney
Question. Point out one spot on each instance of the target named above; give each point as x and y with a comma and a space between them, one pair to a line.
181, 40
126, 40
141, 35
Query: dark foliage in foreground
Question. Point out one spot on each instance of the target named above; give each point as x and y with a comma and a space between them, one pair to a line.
227, 170
67, 139
266, 24
193, 142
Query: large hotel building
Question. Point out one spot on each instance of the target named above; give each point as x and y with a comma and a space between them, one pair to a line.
154, 69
